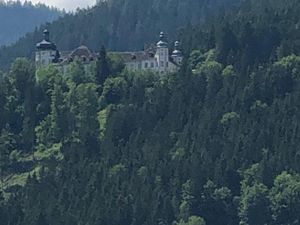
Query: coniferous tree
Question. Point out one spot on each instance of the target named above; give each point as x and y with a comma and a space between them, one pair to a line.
102, 67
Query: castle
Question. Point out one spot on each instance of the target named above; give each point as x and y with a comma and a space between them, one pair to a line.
155, 59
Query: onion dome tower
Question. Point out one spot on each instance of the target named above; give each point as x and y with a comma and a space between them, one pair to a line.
162, 54
177, 54
46, 51
162, 43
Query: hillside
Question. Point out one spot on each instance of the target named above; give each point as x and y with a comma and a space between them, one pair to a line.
216, 143
117, 24
16, 19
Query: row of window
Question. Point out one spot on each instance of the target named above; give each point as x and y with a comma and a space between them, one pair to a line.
162, 64
147, 65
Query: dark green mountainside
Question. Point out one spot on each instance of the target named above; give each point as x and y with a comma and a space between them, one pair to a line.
117, 24
216, 143
16, 19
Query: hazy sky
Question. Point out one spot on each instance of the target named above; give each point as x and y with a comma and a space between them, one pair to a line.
67, 4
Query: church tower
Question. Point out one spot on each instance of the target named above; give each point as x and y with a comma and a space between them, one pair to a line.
46, 52
177, 54
162, 54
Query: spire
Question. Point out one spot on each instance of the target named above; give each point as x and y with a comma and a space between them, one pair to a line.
176, 45
176, 51
46, 35
162, 43
161, 36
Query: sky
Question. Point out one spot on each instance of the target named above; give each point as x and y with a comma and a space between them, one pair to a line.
66, 4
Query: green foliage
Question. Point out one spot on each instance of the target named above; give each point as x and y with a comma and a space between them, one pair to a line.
18, 18
195, 58
143, 172
116, 63
258, 106
114, 90
209, 68
228, 71
117, 170
209, 144
102, 67
178, 154
254, 205
230, 116
285, 198
77, 73
217, 204
118, 25
47, 75
102, 118
193, 220
46, 154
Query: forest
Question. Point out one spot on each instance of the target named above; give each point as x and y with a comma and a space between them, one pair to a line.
120, 25
16, 19
216, 143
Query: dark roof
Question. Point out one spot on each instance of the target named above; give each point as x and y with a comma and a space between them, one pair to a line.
139, 56
135, 56
82, 53
65, 54
171, 60
176, 51
46, 44
162, 44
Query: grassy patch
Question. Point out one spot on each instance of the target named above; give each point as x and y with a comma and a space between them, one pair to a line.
45, 154
39, 158
102, 118
19, 179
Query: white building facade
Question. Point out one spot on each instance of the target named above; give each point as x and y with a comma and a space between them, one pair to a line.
156, 59
46, 52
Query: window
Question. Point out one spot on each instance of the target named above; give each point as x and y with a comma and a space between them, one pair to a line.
152, 64
146, 65
167, 64
162, 63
